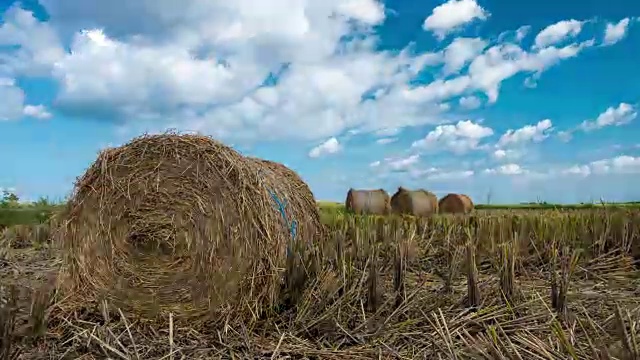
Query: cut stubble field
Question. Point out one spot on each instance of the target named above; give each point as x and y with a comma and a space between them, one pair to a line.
496, 284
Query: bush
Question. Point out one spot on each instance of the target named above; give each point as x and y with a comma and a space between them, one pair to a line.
9, 200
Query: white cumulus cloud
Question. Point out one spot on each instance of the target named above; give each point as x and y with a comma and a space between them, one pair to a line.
507, 169
452, 15
522, 32
246, 71
581, 170
331, 146
36, 111
622, 164
450, 175
460, 52
558, 32
469, 102
615, 32
614, 116
528, 133
12, 103
386, 140
398, 164
402, 163
12, 100
388, 131
459, 138
505, 154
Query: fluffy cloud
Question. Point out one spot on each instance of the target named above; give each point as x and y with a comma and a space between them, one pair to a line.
499, 154
388, 132
386, 140
558, 32
12, 100
401, 164
398, 165
36, 111
12, 105
469, 102
505, 154
331, 146
459, 138
367, 11
450, 175
528, 133
507, 169
210, 54
498, 63
625, 164
581, 170
452, 15
36, 44
460, 52
622, 164
614, 116
615, 32
240, 71
522, 32
518, 35
410, 166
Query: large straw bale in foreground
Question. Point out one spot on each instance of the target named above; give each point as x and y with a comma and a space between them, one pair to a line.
182, 224
373, 202
456, 204
414, 202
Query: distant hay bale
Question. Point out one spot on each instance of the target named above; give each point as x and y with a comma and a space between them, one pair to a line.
414, 202
372, 202
468, 203
456, 204
182, 224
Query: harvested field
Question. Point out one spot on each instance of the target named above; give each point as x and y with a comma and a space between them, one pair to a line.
552, 285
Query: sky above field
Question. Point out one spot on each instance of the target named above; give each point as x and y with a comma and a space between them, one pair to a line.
507, 101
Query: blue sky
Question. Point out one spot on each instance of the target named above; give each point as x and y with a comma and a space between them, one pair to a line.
504, 101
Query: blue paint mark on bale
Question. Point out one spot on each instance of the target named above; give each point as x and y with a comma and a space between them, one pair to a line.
281, 206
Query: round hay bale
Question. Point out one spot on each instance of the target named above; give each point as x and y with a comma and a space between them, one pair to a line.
372, 202
455, 204
181, 224
469, 203
414, 202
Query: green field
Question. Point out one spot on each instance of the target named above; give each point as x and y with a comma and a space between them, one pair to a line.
524, 206
39, 212
332, 207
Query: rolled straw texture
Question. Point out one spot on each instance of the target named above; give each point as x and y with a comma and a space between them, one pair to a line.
455, 204
182, 224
